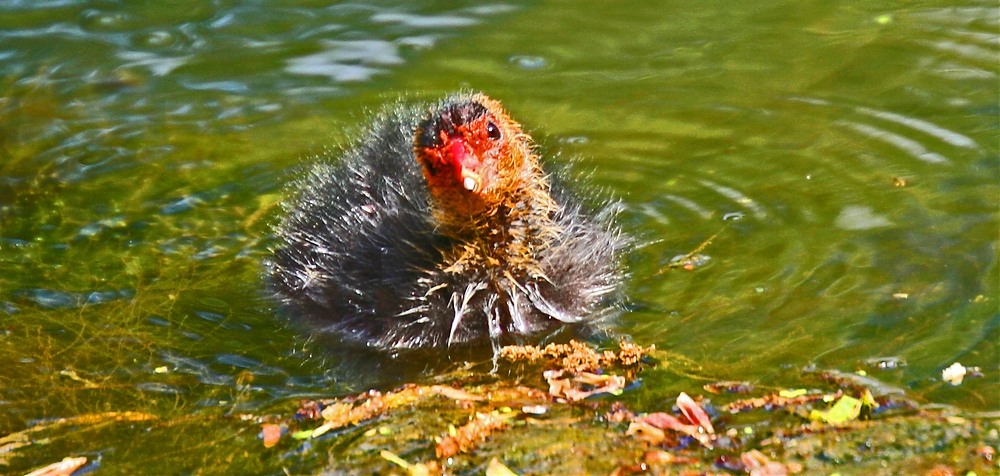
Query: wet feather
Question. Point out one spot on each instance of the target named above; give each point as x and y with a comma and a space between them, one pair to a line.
371, 249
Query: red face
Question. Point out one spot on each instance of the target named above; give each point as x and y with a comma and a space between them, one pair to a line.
470, 151
467, 157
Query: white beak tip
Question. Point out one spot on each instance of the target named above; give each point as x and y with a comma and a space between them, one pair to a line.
469, 183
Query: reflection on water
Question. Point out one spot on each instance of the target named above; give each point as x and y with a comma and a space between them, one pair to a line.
840, 160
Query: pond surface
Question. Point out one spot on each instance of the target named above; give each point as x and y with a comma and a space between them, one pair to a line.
841, 158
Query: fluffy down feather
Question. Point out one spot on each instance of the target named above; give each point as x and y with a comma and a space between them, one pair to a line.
439, 228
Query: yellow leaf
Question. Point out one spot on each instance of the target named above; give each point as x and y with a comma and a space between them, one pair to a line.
845, 410
792, 393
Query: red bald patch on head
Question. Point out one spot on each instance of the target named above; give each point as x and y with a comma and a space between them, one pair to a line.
457, 152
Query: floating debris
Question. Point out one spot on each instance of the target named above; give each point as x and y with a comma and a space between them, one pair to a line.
757, 464
576, 356
456, 426
463, 439
581, 385
694, 413
535, 409
455, 393
270, 433
695, 259
418, 469
694, 423
689, 262
886, 363
773, 401
496, 468
846, 409
66, 467
954, 374
372, 404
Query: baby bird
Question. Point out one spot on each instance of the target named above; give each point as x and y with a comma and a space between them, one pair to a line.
438, 228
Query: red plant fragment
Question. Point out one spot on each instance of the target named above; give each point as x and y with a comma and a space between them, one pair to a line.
694, 413
698, 425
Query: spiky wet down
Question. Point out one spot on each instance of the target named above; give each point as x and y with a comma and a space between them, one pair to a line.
438, 227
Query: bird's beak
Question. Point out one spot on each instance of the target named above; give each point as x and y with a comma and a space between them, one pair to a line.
470, 180
464, 161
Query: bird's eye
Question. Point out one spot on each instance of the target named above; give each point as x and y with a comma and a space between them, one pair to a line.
492, 131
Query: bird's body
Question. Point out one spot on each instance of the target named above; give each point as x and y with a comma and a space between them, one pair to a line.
437, 228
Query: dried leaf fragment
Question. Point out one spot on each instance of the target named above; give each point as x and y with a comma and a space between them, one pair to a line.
418, 469
666, 421
757, 464
65, 467
496, 468
581, 385
465, 438
646, 432
694, 413
729, 386
455, 393
772, 401
697, 426
665, 457
372, 404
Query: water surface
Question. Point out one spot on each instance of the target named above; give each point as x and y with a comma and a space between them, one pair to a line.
841, 159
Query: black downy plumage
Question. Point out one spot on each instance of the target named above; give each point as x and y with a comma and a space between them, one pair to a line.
439, 228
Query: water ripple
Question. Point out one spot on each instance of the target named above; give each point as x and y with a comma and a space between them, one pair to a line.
347, 61
954, 138
964, 41
157, 64
691, 205
243, 362
855, 217
261, 55
424, 21
965, 51
960, 15
910, 146
52, 299
736, 196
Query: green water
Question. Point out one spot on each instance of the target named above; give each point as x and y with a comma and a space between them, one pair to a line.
843, 155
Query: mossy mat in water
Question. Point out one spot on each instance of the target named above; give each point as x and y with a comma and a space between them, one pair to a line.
561, 409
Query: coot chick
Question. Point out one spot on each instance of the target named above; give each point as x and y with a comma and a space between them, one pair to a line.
438, 227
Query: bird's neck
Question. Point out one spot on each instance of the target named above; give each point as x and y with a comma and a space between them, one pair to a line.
510, 233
